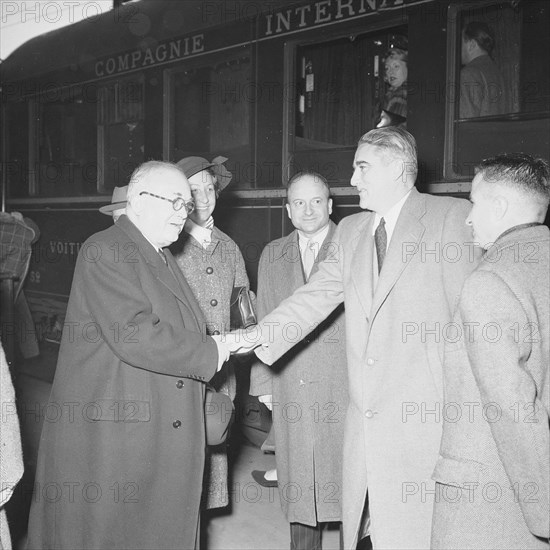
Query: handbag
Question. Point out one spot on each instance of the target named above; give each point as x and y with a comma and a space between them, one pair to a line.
241, 308
218, 416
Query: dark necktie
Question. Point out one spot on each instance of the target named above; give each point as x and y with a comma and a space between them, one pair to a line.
381, 242
163, 256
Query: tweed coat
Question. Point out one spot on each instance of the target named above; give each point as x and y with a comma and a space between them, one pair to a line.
212, 273
310, 393
493, 471
122, 451
394, 363
11, 454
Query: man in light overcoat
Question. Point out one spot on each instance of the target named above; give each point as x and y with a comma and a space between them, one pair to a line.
307, 389
493, 472
122, 451
398, 293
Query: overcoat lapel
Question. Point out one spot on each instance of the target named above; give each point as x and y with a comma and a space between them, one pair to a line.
362, 248
405, 240
181, 290
290, 250
327, 249
171, 278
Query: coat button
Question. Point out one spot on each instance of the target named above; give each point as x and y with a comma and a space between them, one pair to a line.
176, 423
179, 384
209, 270
216, 333
371, 361
213, 303
369, 413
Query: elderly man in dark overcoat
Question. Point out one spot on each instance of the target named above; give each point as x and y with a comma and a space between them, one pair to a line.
308, 387
122, 450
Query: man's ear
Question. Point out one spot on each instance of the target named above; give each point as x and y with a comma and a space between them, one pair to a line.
499, 206
329, 207
398, 170
288, 211
137, 204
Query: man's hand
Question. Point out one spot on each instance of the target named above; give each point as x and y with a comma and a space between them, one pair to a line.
267, 400
243, 340
223, 350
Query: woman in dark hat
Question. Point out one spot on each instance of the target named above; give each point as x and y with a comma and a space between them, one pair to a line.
213, 265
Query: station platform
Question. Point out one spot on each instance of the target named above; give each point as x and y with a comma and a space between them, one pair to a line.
253, 519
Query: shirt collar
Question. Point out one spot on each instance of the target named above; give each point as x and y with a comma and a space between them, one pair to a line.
390, 217
202, 235
317, 239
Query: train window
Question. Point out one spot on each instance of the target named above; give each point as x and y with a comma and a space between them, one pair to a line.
342, 87
121, 133
17, 149
210, 113
62, 162
501, 100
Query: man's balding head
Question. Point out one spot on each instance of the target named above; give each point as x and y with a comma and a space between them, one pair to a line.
152, 193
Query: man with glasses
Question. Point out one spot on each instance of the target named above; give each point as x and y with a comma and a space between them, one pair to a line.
122, 464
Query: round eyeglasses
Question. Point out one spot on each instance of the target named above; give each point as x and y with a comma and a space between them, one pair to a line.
178, 203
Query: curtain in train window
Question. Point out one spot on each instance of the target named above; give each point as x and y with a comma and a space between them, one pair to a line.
501, 101
340, 94
17, 149
121, 132
211, 113
66, 144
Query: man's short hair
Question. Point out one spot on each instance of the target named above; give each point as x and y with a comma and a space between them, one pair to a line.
143, 171
398, 143
482, 34
527, 174
305, 173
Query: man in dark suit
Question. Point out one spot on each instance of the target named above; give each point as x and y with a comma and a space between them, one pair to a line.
307, 390
482, 86
493, 471
122, 450
399, 270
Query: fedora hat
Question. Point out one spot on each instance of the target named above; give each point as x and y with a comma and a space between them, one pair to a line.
118, 200
193, 165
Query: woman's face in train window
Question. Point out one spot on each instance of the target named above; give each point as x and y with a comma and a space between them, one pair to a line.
396, 72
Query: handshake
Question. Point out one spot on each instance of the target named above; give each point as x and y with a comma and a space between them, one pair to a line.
241, 341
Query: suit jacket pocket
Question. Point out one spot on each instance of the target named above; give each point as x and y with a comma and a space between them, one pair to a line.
118, 410
458, 473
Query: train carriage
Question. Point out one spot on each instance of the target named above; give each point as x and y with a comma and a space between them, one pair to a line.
276, 86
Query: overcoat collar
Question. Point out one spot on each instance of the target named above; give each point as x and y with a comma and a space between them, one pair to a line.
169, 275
408, 230
290, 249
